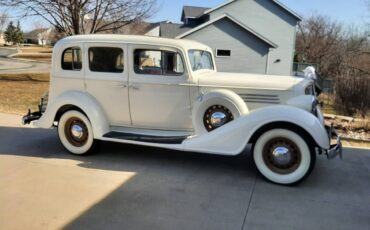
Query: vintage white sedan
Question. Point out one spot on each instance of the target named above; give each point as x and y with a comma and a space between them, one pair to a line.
167, 93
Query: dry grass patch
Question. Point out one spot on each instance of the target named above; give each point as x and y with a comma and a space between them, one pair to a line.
46, 57
18, 92
36, 53
37, 49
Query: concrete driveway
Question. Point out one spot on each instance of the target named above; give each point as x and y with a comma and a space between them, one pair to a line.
130, 187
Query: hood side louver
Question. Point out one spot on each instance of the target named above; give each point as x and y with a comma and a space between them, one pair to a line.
260, 98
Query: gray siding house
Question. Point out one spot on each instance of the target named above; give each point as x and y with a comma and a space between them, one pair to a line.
250, 36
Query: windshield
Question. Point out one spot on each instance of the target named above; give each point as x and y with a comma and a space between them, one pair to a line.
200, 59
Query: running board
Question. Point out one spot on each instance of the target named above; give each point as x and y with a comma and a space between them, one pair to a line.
146, 138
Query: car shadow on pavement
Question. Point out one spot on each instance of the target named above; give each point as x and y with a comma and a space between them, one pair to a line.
45, 144
183, 190
170, 189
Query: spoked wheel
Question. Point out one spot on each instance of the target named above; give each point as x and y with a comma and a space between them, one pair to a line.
283, 156
216, 116
75, 133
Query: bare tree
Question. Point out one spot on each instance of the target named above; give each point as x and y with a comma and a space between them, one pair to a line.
318, 42
343, 56
368, 18
85, 16
4, 19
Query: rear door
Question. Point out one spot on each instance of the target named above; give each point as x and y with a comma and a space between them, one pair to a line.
106, 78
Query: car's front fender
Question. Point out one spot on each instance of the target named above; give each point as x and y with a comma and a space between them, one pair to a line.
232, 138
83, 101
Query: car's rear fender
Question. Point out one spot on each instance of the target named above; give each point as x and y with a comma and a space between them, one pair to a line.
81, 101
232, 138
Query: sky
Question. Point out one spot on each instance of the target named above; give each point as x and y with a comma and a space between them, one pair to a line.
349, 12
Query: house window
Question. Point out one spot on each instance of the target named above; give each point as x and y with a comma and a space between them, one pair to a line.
71, 59
223, 53
106, 59
158, 62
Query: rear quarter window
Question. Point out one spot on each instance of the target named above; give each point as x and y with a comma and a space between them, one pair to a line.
71, 59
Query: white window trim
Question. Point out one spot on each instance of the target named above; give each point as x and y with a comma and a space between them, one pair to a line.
223, 56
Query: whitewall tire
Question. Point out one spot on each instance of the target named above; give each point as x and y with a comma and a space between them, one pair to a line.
283, 156
75, 132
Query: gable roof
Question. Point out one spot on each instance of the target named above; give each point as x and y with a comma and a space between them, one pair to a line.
192, 12
250, 30
278, 3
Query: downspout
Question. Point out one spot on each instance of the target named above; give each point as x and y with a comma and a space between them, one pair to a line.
267, 62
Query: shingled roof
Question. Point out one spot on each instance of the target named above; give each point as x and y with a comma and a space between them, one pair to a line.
171, 30
193, 12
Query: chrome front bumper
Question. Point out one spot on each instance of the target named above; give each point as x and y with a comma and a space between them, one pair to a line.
335, 149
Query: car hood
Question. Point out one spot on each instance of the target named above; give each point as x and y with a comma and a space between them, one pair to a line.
241, 80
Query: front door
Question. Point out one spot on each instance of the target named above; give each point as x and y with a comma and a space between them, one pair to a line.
107, 78
159, 89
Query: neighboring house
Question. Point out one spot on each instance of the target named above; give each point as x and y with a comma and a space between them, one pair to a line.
2, 40
133, 28
42, 36
252, 36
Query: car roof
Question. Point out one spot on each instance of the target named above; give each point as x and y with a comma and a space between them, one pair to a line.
133, 39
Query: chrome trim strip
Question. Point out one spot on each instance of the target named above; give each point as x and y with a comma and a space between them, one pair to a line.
239, 87
262, 101
261, 98
258, 95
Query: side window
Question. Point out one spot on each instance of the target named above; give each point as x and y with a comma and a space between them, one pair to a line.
71, 59
156, 62
106, 59
148, 62
173, 64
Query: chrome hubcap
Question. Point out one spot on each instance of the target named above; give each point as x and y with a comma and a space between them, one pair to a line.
77, 131
218, 119
281, 156
216, 116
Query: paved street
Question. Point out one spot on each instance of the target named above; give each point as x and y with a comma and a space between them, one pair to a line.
11, 65
131, 187
4, 52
